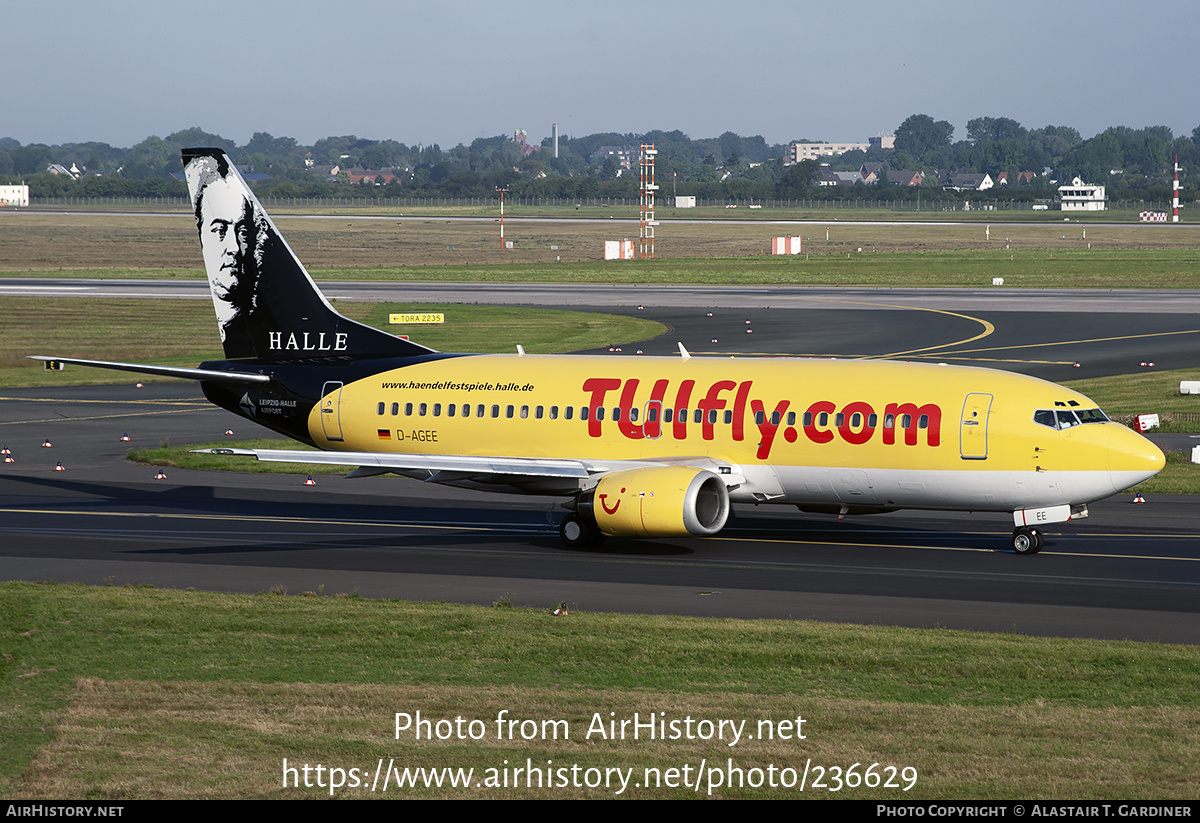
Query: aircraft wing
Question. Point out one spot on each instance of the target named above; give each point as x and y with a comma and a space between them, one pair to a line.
450, 467
525, 466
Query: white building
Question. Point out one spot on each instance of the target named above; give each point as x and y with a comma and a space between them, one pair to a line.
14, 196
1080, 197
812, 151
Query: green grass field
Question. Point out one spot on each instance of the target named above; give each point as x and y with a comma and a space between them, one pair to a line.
1066, 269
184, 333
122, 693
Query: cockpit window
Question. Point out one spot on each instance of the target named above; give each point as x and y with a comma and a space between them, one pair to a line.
1060, 419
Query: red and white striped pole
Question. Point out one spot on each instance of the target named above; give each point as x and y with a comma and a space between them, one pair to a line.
1175, 193
502, 193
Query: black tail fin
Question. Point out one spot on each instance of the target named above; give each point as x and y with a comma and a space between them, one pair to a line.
268, 307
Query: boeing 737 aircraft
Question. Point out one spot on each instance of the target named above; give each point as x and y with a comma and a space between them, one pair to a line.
645, 447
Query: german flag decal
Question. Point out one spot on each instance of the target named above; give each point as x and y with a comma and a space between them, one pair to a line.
384, 434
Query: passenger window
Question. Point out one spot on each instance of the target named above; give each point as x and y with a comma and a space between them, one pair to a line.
437, 409
759, 417
466, 410
728, 416
421, 409
712, 416
524, 412
395, 409
381, 408
553, 412
889, 421
791, 418
509, 411
652, 414
450, 410
495, 411
616, 413
923, 421
667, 415
633, 415
774, 418
583, 413
570, 410
698, 416
599, 412
808, 418
840, 420
855, 420
906, 421
823, 419
872, 420
537, 413
479, 410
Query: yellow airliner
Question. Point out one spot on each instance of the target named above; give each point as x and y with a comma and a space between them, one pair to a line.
646, 447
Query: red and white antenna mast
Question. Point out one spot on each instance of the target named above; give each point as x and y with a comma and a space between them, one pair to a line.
503, 191
646, 191
1175, 193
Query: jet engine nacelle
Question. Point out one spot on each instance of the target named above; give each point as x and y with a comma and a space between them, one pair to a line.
658, 501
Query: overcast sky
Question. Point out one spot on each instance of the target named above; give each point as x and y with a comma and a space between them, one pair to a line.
448, 71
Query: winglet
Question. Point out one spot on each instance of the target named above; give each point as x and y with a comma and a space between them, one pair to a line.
684, 352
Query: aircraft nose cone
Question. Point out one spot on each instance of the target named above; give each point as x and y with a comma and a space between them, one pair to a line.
1132, 458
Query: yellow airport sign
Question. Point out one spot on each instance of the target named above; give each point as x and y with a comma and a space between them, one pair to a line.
425, 317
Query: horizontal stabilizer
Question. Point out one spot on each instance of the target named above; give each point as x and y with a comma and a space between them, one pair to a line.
207, 375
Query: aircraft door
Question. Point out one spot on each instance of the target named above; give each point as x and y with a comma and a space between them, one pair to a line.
972, 430
331, 410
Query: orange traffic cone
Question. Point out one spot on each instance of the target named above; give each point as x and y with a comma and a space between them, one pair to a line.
125, 437
46, 445
59, 468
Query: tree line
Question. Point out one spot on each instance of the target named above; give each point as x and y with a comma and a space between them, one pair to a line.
1133, 163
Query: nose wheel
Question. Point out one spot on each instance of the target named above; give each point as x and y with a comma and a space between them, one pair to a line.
1027, 541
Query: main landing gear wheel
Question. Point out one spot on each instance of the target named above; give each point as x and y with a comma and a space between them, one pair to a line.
1027, 541
577, 533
